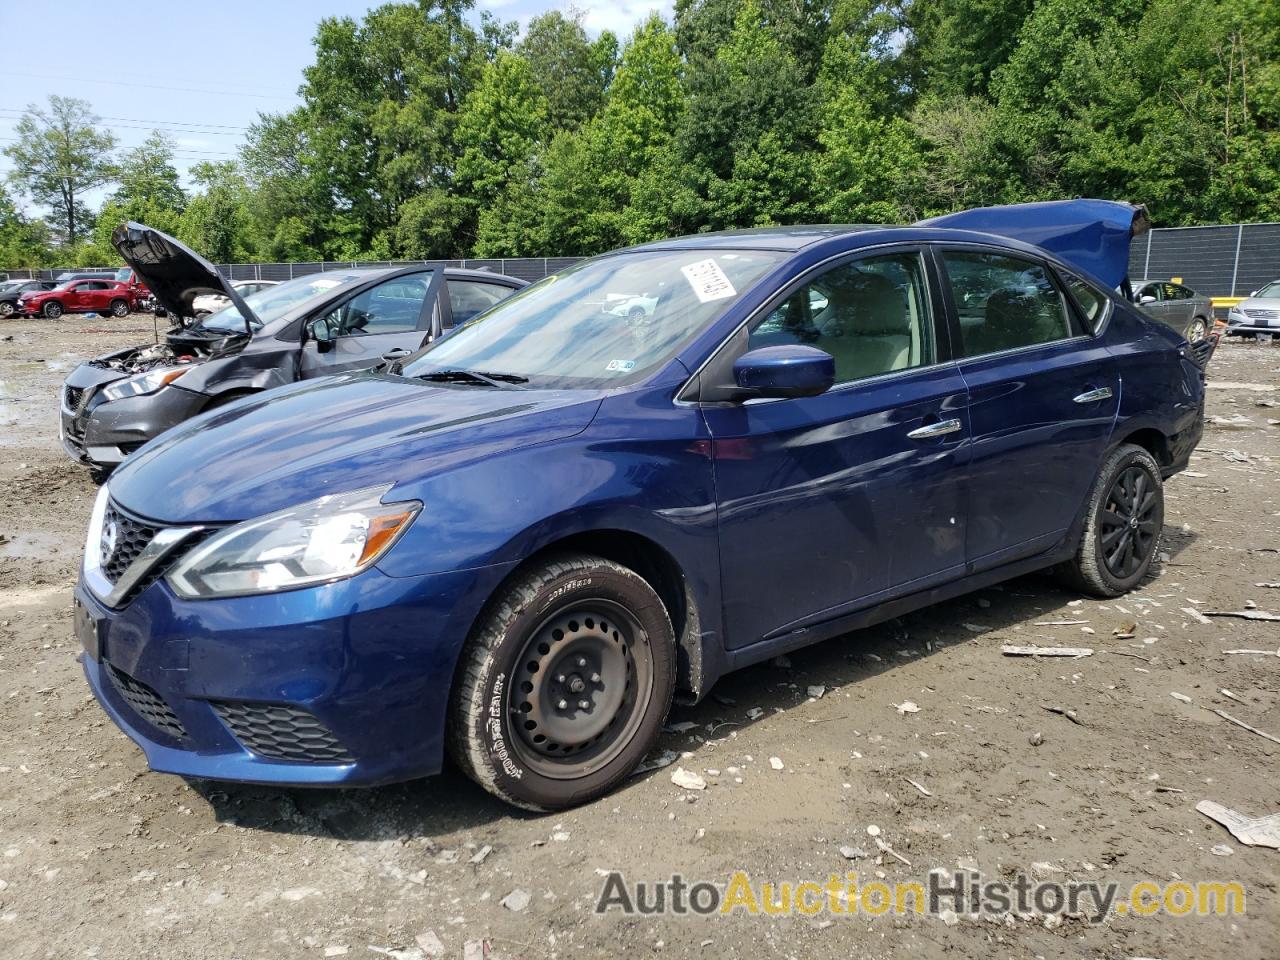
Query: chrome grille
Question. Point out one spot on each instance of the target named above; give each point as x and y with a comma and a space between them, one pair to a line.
1256, 313
124, 537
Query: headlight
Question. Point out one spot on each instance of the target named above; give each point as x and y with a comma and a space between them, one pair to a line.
1235, 316
328, 539
142, 384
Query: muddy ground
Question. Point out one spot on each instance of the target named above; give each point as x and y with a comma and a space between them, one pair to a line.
101, 858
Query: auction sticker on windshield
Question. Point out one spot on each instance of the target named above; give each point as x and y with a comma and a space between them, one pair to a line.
708, 281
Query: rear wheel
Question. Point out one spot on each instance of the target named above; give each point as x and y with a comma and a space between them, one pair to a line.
565, 685
52, 310
119, 308
1123, 525
6, 308
1197, 329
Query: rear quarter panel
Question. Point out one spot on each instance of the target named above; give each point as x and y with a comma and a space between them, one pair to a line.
1160, 388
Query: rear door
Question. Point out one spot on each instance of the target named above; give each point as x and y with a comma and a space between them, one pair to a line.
1043, 396
829, 503
394, 314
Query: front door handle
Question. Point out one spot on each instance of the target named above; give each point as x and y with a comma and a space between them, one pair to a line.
1093, 396
939, 429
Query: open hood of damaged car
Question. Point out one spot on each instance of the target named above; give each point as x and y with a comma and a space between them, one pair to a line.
173, 272
1094, 235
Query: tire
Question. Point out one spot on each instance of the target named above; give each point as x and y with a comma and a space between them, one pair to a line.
1197, 329
119, 308
557, 631
1116, 550
52, 310
6, 309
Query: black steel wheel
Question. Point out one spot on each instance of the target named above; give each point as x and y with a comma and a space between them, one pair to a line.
564, 685
53, 310
1124, 518
586, 683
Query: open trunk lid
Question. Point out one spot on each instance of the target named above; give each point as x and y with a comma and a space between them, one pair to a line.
1093, 235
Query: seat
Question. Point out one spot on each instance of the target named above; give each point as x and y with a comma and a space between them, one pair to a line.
868, 330
1015, 319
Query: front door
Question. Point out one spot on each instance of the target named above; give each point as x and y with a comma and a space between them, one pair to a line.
1043, 396
392, 315
827, 503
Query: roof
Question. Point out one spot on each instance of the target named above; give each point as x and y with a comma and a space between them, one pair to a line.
789, 239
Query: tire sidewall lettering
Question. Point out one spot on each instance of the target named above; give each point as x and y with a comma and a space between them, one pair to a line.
493, 730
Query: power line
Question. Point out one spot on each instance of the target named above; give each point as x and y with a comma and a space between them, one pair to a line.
153, 86
148, 126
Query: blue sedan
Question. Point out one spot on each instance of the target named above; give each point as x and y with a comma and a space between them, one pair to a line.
519, 544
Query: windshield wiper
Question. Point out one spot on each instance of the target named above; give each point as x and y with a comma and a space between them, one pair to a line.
472, 376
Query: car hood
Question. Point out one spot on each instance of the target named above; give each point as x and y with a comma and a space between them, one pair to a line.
1093, 235
174, 273
1258, 303
309, 439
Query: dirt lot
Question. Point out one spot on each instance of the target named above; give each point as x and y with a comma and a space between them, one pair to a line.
100, 858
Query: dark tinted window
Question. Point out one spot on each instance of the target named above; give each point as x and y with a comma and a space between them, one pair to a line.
871, 315
470, 298
1092, 302
1004, 302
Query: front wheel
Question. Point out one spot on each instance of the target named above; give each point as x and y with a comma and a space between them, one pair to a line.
565, 684
53, 310
1124, 521
1197, 329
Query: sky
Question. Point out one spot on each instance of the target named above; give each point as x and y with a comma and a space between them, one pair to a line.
201, 72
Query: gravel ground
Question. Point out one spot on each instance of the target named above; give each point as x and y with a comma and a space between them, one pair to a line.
101, 858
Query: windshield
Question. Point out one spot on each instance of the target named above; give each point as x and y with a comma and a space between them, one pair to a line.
272, 303
602, 323
122, 275
1272, 289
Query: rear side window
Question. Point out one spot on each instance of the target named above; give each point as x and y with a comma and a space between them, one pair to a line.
1004, 302
1092, 303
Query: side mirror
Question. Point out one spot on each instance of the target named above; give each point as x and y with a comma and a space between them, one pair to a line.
791, 370
321, 333
1143, 300
1253, 293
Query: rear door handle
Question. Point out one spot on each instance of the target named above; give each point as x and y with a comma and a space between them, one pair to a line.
939, 429
1093, 396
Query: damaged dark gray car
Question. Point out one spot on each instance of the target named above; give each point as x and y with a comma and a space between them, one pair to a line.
312, 326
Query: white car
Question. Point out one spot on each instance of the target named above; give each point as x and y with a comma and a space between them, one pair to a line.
212, 302
631, 307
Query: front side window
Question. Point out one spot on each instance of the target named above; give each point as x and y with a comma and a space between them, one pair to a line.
565, 331
871, 315
1004, 302
391, 307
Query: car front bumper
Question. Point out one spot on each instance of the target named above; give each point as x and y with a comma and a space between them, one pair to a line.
341, 684
102, 433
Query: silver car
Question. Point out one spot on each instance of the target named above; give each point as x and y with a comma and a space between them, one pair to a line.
1258, 315
1176, 306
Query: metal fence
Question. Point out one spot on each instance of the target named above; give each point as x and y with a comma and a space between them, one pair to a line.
1221, 261
526, 268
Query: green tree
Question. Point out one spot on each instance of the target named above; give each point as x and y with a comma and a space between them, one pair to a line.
61, 153
216, 221
571, 71
23, 242
954, 46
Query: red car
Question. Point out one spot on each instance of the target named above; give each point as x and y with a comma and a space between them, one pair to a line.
80, 296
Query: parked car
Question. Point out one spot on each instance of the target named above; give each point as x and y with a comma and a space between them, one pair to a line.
129, 277
1258, 315
208, 303
308, 327
11, 290
1177, 306
517, 543
78, 296
85, 275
